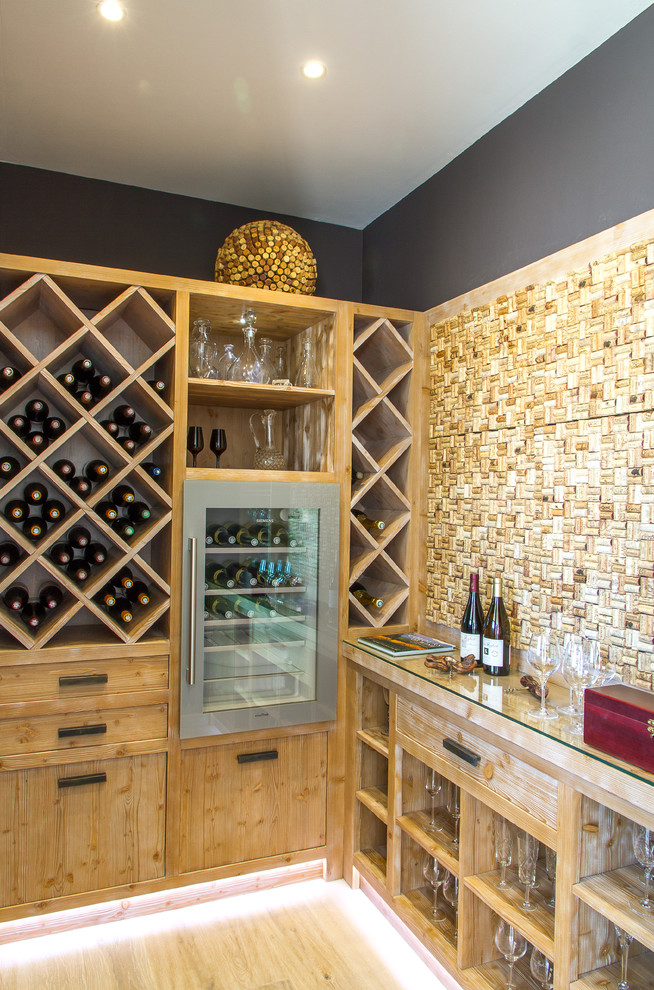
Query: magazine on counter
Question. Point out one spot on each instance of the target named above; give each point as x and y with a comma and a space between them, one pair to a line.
406, 644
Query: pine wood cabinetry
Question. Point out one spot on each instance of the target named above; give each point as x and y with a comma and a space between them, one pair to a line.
403, 723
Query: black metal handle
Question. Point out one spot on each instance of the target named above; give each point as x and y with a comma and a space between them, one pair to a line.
269, 754
73, 679
86, 778
465, 754
83, 730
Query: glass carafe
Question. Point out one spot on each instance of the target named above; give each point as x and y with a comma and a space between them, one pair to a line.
281, 367
247, 366
307, 373
268, 456
267, 365
224, 366
202, 351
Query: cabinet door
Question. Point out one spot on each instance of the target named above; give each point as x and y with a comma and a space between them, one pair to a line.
251, 800
81, 826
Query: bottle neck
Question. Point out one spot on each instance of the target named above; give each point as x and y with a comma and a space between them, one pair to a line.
497, 587
474, 583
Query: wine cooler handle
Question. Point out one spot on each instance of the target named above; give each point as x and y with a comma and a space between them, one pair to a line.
193, 547
452, 746
74, 679
269, 754
86, 778
82, 730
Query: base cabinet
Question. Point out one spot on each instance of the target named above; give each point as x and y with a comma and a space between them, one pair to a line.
81, 826
252, 800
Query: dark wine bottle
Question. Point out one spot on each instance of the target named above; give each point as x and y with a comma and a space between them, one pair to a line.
107, 596
241, 576
95, 553
122, 610
19, 424
124, 528
496, 637
218, 536
123, 579
54, 427
54, 510
16, 597
157, 385
128, 445
8, 375
36, 441
83, 370
61, 554
221, 608
217, 576
35, 493
111, 426
16, 510
33, 615
140, 432
79, 537
472, 623
85, 398
138, 594
264, 535
100, 385
9, 466
9, 554
364, 596
50, 596
243, 606
68, 381
80, 485
152, 469
96, 471
373, 525
122, 495
241, 535
37, 410
78, 572
138, 512
124, 415
35, 529
64, 469
107, 511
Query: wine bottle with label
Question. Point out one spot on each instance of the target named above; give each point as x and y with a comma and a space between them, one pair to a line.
243, 606
363, 595
472, 623
218, 577
218, 536
241, 575
221, 608
374, 525
107, 597
496, 638
241, 535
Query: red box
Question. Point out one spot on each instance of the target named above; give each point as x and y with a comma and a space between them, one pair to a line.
619, 719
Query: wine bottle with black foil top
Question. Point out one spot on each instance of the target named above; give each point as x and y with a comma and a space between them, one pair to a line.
472, 623
496, 638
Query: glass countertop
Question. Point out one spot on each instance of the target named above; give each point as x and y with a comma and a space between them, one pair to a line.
506, 697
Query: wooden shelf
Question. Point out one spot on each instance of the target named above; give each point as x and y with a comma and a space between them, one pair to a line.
440, 845
611, 894
375, 799
243, 395
376, 738
415, 909
537, 926
372, 863
640, 974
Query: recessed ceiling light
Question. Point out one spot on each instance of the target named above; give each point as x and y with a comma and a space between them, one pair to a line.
112, 10
313, 70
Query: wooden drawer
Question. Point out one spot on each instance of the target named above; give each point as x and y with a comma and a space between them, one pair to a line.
47, 681
235, 811
71, 730
57, 839
497, 771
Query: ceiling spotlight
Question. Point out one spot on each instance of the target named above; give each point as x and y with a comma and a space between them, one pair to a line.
313, 70
112, 10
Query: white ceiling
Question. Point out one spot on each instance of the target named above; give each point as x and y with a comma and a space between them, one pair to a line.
205, 97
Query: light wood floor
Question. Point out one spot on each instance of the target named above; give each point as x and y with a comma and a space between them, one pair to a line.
301, 937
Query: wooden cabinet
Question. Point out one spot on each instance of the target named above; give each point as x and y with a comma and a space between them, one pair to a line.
405, 722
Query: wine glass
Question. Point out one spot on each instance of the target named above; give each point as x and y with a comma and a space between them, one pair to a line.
454, 808
433, 786
643, 841
581, 669
550, 869
512, 945
543, 658
624, 941
566, 644
527, 858
434, 876
218, 444
194, 442
542, 969
503, 848
451, 895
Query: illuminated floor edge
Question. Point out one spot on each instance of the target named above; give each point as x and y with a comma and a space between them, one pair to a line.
297, 937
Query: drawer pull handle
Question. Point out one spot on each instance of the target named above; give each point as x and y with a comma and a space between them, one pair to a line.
83, 730
269, 754
69, 681
86, 778
464, 754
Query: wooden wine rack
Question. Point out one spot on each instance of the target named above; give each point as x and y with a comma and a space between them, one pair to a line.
46, 324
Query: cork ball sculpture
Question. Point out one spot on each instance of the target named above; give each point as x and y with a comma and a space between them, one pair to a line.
268, 255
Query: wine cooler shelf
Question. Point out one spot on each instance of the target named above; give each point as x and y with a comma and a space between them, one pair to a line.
85, 460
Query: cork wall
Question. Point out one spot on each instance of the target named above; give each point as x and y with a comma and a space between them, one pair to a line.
541, 437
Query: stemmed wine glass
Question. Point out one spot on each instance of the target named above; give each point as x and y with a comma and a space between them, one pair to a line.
194, 442
643, 841
434, 876
503, 848
550, 869
454, 808
542, 969
624, 941
451, 895
527, 858
512, 945
433, 787
218, 444
543, 658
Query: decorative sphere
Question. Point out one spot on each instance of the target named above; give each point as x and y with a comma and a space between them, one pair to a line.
268, 255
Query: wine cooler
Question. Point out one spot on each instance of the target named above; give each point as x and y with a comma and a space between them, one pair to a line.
260, 614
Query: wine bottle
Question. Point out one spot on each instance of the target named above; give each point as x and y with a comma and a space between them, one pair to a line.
61, 554
221, 608
96, 471
111, 426
9, 466
8, 375
264, 535
152, 469
100, 385
122, 495
9, 554
128, 445
264, 607
157, 385
241, 535
50, 596
368, 523
16, 597
138, 512
364, 596
95, 553
124, 415
83, 370
472, 623
107, 511
85, 398
54, 427
218, 577
64, 469
217, 535
35, 493
243, 606
37, 410
33, 615
19, 424
79, 537
36, 441
35, 529
107, 596
68, 381
123, 610
54, 510
124, 528
139, 432
80, 485
138, 594
123, 579
78, 572
496, 637
241, 576
285, 537
16, 510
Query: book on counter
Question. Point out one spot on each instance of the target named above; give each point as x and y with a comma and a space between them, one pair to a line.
406, 644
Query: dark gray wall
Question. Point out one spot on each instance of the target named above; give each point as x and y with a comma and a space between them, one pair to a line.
576, 159
67, 218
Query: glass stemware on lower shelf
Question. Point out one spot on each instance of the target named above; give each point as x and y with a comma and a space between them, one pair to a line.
512, 944
433, 787
624, 941
434, 875
643, 843
451, 895
542, 969
527, 858
503, 848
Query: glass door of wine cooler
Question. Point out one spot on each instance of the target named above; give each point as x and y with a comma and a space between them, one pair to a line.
260, 613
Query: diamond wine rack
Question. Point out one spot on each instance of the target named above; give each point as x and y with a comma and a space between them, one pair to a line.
381, 442
129, 337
